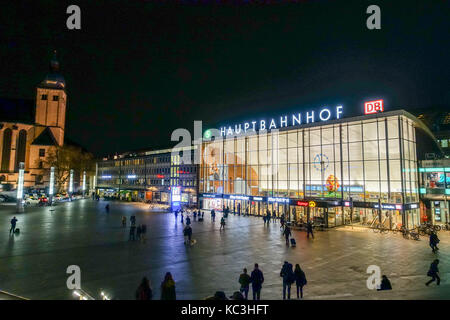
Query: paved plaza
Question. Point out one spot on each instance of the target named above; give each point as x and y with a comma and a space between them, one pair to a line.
33, 264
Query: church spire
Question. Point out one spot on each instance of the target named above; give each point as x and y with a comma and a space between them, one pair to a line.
54, 63
53, 79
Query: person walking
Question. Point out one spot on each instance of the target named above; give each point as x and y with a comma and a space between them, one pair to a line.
222, 223
287, 233
385, 283
213, 215
133, 220
144, 292
434, 273
124, 221
181, 213
244, 280
132, 232
138, 232
168, 288
195, 215
107, 208
188, 220
309, 229
282, 222
144, 232
300, 280
257, 279
187, 234
288, 278
268, 216
264, 219
434, 240
13, 225
176, 215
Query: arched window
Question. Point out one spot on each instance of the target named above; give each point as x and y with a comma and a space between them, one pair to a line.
21, 148
6, 152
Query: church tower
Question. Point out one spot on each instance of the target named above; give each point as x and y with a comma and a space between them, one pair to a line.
51, 103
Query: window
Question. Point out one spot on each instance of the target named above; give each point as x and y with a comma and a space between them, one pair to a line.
44, 97
55, 98
41, 152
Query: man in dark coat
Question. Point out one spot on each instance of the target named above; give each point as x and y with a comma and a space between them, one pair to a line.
13, 225
244, 280
309, 229
288, 278
132, 232
434, 240
257, 279
434, 273
287, 233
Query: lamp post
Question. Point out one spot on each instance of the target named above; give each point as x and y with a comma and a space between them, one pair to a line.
70, 184
52, 182
20, 187
84, 183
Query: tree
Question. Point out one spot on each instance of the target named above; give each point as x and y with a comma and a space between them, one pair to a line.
67, 157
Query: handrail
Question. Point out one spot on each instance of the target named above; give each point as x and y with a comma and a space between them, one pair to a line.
11, 296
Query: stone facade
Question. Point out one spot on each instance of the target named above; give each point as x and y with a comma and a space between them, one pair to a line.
22, 140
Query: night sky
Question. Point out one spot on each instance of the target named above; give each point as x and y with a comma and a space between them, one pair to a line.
137, 70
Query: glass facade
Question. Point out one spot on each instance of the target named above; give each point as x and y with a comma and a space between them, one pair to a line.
435, 190
368, 161
149, 176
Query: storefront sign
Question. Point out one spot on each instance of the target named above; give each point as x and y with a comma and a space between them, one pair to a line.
312, 204
373, 107
208, 195
271, 199
323, 115
106, 177
232, 197
387, 206
257, 198
412, 206
303, 203
131, 176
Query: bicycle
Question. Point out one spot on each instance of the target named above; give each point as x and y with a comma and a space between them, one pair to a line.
445, 226
379, 228
414, 235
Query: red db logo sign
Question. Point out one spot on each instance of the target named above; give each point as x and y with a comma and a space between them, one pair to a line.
373, 106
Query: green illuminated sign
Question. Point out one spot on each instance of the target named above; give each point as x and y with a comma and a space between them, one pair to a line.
207, 134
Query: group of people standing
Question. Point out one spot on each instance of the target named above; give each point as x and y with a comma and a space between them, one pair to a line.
256, 279
187, 231
145, 292
136, 233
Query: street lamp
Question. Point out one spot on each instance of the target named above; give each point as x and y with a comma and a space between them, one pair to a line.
20, 187
52, 181
84, 182
71, 184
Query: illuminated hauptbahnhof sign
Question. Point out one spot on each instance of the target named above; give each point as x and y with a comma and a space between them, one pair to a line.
295, 119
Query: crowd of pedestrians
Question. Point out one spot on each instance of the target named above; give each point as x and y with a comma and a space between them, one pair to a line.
290, 276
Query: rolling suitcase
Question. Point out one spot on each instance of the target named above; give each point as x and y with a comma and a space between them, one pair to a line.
293, 243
